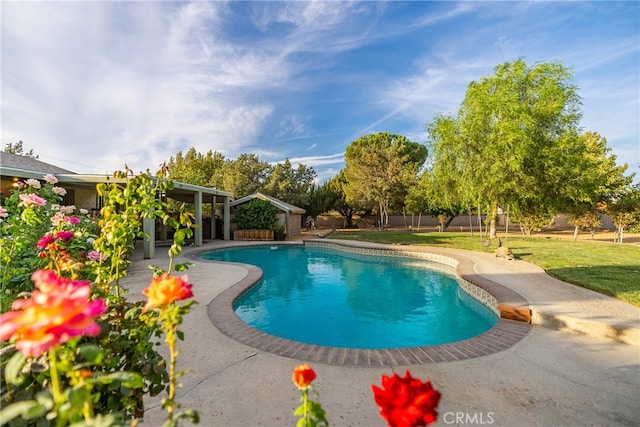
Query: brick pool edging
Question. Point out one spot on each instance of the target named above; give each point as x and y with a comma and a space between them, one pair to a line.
503, 335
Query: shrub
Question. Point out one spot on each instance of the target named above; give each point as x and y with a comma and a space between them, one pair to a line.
257, 215
92, 373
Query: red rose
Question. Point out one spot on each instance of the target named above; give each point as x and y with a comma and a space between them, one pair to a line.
303, 376
45, 241
65, 236
406, 402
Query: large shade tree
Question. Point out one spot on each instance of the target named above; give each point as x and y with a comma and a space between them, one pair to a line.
598, 180
379, 169
516, 141
289, 184
624, 209
243, 176
433, 196
194, 167
336, 186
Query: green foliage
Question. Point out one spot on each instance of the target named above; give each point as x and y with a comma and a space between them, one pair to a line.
531, 218
257, 215
323, 199
18, 148
310, 412
243, 176
195, 168
100, 380
336, 187
515, 141
290, 185
379, 170
625, 209
585, 217
23, 227
128, 199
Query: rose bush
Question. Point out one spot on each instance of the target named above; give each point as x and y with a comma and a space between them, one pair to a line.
30, 218
76, 351
310, 412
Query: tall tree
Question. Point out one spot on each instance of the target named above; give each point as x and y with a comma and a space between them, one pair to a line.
290, 185
624, 209
243, 176
417, 200
435, 197
598, 179
322, 198
379, 169
515, 141
336, 185
18, 148
194, 167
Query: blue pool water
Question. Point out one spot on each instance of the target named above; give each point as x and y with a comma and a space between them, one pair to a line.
332, 298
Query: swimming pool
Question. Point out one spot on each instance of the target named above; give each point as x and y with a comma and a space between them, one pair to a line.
328, 298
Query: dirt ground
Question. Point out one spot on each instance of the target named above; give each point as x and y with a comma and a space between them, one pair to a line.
600, 236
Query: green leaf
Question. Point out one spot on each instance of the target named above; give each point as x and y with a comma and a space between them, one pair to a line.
28, 410
128, 379
189, 414
13, 369
183, 266
92, 353
100, 421
179, 235
77, 396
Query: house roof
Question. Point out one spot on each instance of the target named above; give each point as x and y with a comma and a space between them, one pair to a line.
276, 202
28, 164
14, 165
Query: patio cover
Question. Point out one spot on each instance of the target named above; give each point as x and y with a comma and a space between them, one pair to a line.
183, 192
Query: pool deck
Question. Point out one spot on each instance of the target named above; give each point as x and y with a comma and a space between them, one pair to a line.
578, 365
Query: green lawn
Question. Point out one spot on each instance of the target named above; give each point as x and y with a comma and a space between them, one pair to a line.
609, 268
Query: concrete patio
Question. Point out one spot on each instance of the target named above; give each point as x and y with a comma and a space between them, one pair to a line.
575, 367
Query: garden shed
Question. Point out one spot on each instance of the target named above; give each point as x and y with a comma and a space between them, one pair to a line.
289, 216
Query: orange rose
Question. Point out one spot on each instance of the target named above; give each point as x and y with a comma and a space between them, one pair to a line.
60, 309
303, 376
166, 289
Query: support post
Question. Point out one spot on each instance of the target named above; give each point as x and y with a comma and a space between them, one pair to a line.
197, 200
213, 217
227, 219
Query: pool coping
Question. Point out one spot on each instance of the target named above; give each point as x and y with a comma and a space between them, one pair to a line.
512, 325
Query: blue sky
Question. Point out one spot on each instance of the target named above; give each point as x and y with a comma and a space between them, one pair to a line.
92, 86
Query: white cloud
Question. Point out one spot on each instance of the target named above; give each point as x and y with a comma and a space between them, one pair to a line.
94, 85
99, 80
